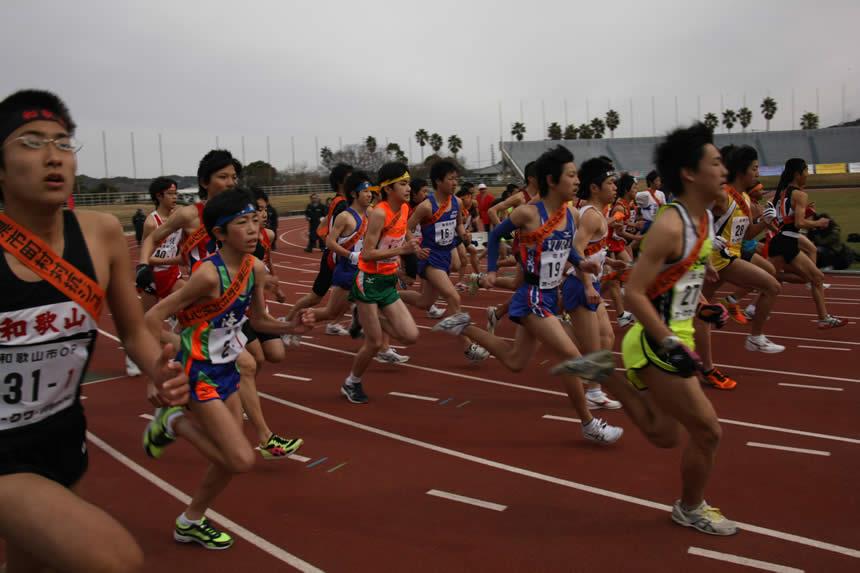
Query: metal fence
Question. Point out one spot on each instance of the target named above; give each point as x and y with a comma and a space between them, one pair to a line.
187, 196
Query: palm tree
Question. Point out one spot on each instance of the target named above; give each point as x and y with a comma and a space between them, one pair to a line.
711, 121
729, 119
613, 120
570, 132
809, 120
401, 157
554, 131
436, 142
768, 110
518, 130
327, 156
370, 144
745, 117
455, 144
585, 131
421, 136
598, 128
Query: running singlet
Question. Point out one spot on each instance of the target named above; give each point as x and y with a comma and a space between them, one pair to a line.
733, 224
205, 247
649, 203
168, 248
677, 306
393, 236
785, 213
543, 264
596, 249
219, 340
440, 234
46, 341
263, 250
354, 241
628, 213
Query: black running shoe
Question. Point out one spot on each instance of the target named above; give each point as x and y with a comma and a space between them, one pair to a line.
354, 393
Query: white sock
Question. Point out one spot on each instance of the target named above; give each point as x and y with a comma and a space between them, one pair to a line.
170, 423
595, 392
352, 380
757, 337
183, 519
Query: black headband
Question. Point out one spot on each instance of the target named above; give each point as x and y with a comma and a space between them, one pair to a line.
23, 116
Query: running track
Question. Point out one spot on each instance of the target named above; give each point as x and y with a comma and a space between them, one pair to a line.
365, 493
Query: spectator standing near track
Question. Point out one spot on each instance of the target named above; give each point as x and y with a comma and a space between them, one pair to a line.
485, 201
314, 213
138, 219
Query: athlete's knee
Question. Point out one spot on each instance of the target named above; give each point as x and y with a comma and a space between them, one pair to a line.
119, 556
607, 340
275, 354
247, 364
409, 336
240, 460
707, 434
666, 439
772, 286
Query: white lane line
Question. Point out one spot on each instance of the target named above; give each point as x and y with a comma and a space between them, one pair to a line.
789, 337
560, 418
229, 524
833, 388
104, 380
785, 536
823, 347
291, 377
294, 457
147, 416
414, 396
788, 449
739, 560
557, 393
469, 500
109, 335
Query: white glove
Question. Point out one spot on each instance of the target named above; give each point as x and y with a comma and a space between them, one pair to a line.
719, 243
769, 213
353, 258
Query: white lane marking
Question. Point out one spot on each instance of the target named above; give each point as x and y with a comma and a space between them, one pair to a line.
469, 500
790, 431
147, 416
294, 457
560, 418
785, 536
833, 388
414, 396
823, 347
788, 337
109, 335
296, 269
104, 380
229, 524
739, 560
291, 377
788, 449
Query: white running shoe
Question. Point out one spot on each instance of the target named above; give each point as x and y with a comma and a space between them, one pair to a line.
599, 400
435, 312
335, 329
172, 322
704, 518
291, 340
454, 324
475, 282
390, 356
749, 312
476, 353
599, 431
762, 344
823, 285
625, 319
131, 369
492, 319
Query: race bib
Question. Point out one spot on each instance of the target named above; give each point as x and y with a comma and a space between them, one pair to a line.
686, 295
445, 232
389, 242
226, 344
739, 229
552, 268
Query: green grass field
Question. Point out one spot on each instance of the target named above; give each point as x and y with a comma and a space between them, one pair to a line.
843, 205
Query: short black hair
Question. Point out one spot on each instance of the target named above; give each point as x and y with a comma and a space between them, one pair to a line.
529, 171
33, 99
551, 164
466, 187
389, 171
682, 149
594, 171
607, 159
738, 160
352, 183
651, 177
625, 184
223, 205
441, 169
338, 175
416, 185
258, 193
212, 162
160, 185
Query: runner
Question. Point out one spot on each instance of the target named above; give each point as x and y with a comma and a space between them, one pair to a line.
58, 268
218, 172
440, 217
212, 308
375, 287
650, 200
663, 395
546, 246
622, 222
790, 202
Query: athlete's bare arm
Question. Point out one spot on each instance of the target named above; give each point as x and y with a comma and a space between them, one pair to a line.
514, 200
204, 284
461, 231
261, 320
182, 218
421, 212
800, 200
344, 224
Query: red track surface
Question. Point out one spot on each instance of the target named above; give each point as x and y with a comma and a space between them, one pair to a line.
570, 505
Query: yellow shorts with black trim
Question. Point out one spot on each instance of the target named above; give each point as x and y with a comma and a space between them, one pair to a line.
637, 353
721, 260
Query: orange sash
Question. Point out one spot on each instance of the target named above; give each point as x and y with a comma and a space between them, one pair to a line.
350, 243
738, 198
198, 236
325, 227
206, 311
438, 214
667, 279
37, 256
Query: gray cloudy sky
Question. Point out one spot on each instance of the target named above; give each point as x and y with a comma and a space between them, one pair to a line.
194, 70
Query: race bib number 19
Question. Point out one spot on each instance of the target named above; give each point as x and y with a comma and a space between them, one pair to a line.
552, 268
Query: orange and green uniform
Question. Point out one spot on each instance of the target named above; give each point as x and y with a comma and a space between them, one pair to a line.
376, 281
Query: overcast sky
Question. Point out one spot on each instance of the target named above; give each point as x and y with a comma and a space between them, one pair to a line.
341, 70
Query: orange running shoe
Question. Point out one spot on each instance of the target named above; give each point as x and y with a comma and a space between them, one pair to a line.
718, 380
735, 311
